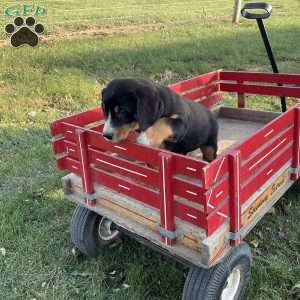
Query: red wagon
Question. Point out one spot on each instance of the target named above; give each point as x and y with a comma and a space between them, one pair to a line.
195, 211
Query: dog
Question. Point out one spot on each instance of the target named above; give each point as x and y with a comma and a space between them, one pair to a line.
162, 117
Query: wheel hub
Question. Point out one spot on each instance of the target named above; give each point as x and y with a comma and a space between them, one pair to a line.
231, 285
107, 230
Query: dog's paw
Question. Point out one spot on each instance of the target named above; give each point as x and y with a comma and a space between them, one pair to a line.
24, 34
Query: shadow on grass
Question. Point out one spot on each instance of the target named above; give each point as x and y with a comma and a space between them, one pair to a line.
34, 226
28, 163
193, 52
37, 230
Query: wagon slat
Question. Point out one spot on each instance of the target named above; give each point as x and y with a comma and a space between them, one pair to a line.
260, 89
258, 139
200, 80
201, 91
211, 100
256, 181
255, 162
79, 119
261, 77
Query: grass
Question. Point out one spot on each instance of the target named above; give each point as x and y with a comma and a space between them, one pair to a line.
62, 76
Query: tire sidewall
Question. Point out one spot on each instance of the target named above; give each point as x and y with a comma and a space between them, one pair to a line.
244, 267
208, 284
239, 257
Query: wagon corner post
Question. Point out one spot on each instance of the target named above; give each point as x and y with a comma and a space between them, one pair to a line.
234, 200
166, 195
87, 184
296, 145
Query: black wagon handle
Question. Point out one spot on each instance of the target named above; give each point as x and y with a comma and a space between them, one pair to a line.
266, 13
265, 7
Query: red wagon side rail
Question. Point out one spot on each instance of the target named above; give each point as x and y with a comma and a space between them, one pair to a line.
181, 187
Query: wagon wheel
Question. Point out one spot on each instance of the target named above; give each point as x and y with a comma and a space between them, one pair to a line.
90, 231
226, 281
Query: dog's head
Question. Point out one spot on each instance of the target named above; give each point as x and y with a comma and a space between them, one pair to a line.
129, 104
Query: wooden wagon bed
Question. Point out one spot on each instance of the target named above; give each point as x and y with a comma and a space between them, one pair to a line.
192, 209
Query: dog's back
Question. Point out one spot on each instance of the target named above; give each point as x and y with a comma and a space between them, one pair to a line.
199, 126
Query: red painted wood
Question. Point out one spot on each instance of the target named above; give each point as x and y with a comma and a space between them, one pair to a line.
67, 163
187, 189
124, 167
83, 158
202, 91
125, 186
200, 80
215, 171
188, 166
256, 181
68, 130
217, 218
266, 133
260, 77
142, 153
58, 145
264, 154
190, 214
71, 149
97, 128
166, 196
216, 195
211, 100
147, 196
134, 151
260, 89
79, 119
235, 201
296, 143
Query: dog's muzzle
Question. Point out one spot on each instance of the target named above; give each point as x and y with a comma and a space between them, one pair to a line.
108, 131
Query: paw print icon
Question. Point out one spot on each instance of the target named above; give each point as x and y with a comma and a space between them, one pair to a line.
24, 33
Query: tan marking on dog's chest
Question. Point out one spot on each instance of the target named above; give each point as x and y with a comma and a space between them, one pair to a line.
159, 132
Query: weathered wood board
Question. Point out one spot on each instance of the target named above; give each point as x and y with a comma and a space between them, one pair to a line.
192, 244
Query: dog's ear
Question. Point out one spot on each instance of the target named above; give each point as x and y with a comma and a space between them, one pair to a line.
149, 108
106, 93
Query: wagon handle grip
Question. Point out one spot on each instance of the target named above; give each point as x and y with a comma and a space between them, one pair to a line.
267, 8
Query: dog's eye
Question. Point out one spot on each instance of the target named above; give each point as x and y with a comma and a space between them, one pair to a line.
122, 111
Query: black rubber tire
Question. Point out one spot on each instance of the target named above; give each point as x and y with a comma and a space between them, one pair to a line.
84, 232
208, 284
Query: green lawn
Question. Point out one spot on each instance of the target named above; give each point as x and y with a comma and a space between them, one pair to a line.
62, 76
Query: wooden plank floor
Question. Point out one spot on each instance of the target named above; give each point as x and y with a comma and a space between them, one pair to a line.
235, 125
233, 131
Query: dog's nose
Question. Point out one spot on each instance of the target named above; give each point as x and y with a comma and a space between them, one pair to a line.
108, 136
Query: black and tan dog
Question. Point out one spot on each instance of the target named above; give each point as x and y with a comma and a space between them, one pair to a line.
163, 118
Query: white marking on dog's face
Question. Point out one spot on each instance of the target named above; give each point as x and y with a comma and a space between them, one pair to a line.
143, 139
108, 129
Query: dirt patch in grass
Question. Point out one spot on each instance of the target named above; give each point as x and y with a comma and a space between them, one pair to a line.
115, 30
94, 31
